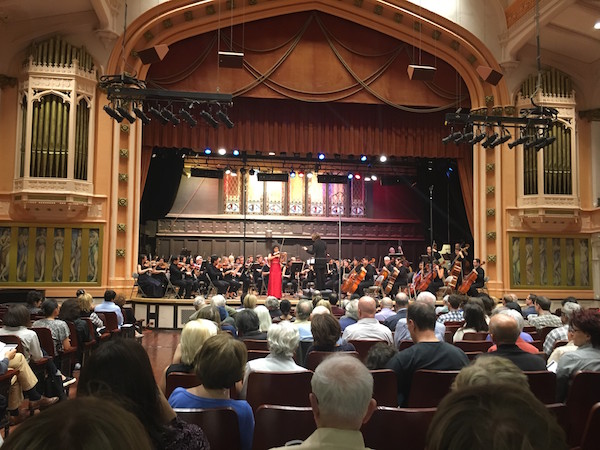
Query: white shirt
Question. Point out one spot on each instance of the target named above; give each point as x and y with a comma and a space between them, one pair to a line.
368, 329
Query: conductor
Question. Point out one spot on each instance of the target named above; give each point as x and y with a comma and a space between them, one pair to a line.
319, 250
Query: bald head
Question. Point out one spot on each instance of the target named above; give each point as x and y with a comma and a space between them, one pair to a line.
504, 329
387, 302
426, 297
366, 307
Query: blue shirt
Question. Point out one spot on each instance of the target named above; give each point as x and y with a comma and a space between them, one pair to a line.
181, 398
110, 307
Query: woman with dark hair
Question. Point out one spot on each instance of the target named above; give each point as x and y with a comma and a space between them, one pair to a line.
326, 333
120, 370
474, 321
275, 259
585, 329
70, 311
60, 330
151, 286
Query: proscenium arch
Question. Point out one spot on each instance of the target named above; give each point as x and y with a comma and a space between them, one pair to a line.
177, 20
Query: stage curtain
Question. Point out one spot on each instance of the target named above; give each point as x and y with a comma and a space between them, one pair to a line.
145, 165
465, 175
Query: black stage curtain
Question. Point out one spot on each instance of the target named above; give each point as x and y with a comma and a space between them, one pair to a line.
162, 183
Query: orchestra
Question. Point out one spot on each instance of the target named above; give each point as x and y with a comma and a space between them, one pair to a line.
229, 275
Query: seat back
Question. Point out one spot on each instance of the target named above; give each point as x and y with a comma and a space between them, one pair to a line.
559, 411
278, 388
46, 342
220, 425
544, 332
276, 425
583, 394
385, 387
407, 344
363, 347
256, 344
591, 434
409, 425
74, 338
111, 321
11, 339
475, 336
313, 359
180, 379
429, 387
474, 346
256, 354
543, 385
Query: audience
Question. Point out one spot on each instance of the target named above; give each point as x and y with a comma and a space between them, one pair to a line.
338, 415
560, 333
109, 305
304, 309
387, 305
34, 302
402, 333
474, 321
71, 312
544, 317
351, 316
524, 339
120, 370
264, 318
272, 304
248, 324
455, 313
379, 355
286, 307
59, 329
484, 371
401, 305
86, 303
367, 327
326, 333
529, 305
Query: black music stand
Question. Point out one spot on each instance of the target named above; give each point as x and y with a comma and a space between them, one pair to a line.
295, 269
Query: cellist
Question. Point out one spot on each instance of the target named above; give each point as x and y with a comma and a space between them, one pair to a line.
369, 277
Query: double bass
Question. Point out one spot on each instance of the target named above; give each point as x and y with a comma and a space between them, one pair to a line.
456, 268
355, 278
391, 280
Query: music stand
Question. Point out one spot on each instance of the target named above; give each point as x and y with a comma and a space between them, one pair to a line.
295, 269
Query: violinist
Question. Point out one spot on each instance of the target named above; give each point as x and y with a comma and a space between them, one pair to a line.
215, 274
243, 271
308, 275
150, 286
188, 272
159, 272
256, 272
178, 278
275, 258
369, 277
230, 275
439, 275
199, 272
334, 276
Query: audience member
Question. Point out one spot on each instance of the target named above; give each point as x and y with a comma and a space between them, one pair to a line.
326, 333
335, 309
474, 321
511, 301
86, 303
71, 312
272, 304
455, 313
379, 355
484, 371
560, 333
544, 317
402, 333
387, 305
286, 307
34, 302
401, 305
529, 305
248, 324
304, 309
523, 342
368, 327
108, 305
59, 329
264, 318
250, 301
351, 316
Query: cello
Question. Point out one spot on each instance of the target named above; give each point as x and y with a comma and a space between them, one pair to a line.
391, 281
355, 278
456, 268
468, 281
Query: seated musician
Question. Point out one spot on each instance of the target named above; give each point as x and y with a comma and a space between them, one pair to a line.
230, 274
200, 273
150, 286
244, 273
257, 272
480, 281
216, 275
369, 277
288, 276
439, 276
188, 272
309, 276
333, 278
178, 278
160, 271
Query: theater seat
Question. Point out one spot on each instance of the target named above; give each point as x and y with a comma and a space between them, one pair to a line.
397, 428
278, 388
429, 387
277, 425
220, 425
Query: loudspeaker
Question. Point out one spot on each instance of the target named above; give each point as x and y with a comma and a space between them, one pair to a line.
153, 54
273, 177
489, 75
421, 73
232, 60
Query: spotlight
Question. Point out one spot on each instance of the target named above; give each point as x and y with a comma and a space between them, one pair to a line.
502, 139
382, 158
321, 156
209, 119
126, 114
488, 142
476, 139
188, 117
112, 113
234, 173
363, 158
224, 118
464, 138
301, 174
236, 153
309, 175
292, 174
374, 177
350, 175
367, 178
169, 115
227, 170
271, 153
252, 172
141, 115
544, 142
158, 115
207, 151
357, 176
452, 137
521, 140
222, 152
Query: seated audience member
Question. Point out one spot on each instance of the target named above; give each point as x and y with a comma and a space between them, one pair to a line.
248, 324
504, 331
524, 339
264, 318
494, 417
335, 309
351, 316
34, 302
559, 352
387, 305
272, 305
226, 312
367, 327
401, 305
219, 365
120, 370
326, 333
198, 303
215, 315
428, 352
379, 355
86, 303
108, 305
283, 340
529, 305
402, 333
544, 317
71, 312
84, 423
474, 321
250, 301
455, 312
323, 304
585, 326
484, 371
128, 313
304, 309
560, 333
339, 416
286, 308
511, 301
59, 329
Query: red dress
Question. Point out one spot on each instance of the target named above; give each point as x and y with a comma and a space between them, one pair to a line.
274, 287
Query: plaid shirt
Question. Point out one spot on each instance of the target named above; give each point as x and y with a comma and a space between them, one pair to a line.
452, 316
545, 320
558, 334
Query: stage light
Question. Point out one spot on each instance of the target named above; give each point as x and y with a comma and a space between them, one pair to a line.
158, 115
507, 137
227, 170
357, 176
207, 151
236, 153
382, 158
209, 119
301, 174
252, 172
224, 118
141, 115
350, 175
292, 174
464, 138
222, 151
452, 137
478, 138
271, 153
321, 156
367, 178
234, 173
169, 115
309, 175
188, 117
491, 138
543, 142
363, 158
112, 113
374, 177
126, 114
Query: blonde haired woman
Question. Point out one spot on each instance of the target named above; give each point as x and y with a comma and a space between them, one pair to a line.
86, 303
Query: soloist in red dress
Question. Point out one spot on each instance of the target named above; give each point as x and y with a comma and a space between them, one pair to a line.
274, 287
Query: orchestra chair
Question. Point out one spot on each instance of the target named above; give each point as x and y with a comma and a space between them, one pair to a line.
474, 346
542, 384
5, 383
363, 347
278, 388
583, 394
256, 344
220, 425
38, 367
544, 332
314, 358
276, 425
475, 336
171, 289
211, 289
385, 387
591, 433
135, 286
429, 387
394, 428
67, 358
256, 354
180, 379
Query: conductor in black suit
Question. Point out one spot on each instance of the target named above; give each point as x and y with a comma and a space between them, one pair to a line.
319, 251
